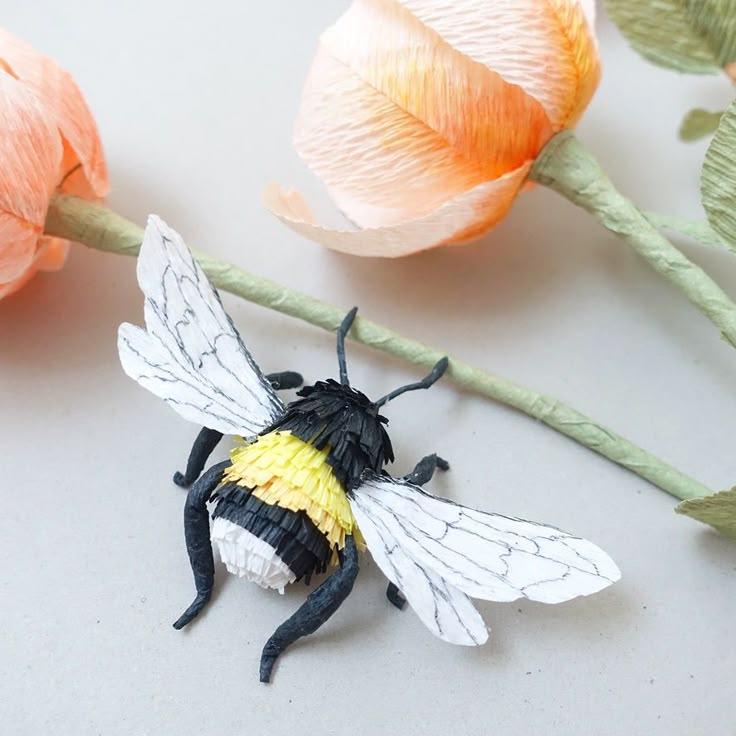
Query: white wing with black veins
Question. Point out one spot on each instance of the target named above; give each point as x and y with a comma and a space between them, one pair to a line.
439, 553
191, 355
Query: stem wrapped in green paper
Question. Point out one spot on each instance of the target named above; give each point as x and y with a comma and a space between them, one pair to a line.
568, 168
99, 227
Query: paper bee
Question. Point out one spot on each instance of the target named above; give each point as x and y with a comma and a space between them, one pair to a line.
308, 488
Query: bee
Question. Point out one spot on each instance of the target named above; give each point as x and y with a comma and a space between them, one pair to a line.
307, 488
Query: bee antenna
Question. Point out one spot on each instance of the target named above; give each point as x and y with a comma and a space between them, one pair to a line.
437, 373
342, 331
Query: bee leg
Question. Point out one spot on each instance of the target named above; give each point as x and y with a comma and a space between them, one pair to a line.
425, 468
285, 380
394, 596
421, 474
321, 603
197, 534
206, 441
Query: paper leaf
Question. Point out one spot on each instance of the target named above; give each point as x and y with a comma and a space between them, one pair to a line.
715, 20
699, 123
718, 510
667, 32
718, 181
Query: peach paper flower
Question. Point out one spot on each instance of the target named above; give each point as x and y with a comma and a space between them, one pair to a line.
48, 143
424, 117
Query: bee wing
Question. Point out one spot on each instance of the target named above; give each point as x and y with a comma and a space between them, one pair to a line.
412, 534
191, 355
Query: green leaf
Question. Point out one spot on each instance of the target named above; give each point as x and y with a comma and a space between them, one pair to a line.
695, 36
718, 510
699, 123
715, 20
718, 180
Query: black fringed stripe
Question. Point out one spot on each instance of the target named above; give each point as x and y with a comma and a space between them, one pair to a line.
346, 422
294, 536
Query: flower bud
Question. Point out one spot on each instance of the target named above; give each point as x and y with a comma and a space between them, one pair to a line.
423, 117
49, 142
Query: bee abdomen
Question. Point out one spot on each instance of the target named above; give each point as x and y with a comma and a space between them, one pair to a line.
247, 556
267, 540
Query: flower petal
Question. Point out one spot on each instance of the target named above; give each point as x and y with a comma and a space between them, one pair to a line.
60, 96
588, 7
52, 253
465, 217
18, 244
30, 156
396, 122
6, 289
547, 47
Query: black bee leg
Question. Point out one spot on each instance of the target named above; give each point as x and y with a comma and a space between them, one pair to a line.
285, 380
321, 603
424, 470
394, 596
206, 441
197, 534
421, 474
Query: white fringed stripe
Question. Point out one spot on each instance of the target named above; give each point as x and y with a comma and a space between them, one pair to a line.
247, 556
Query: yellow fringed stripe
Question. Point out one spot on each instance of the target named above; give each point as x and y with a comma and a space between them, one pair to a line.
285, 471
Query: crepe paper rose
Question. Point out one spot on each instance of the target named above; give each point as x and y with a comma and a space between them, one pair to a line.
426, 118
49, 143
423, 118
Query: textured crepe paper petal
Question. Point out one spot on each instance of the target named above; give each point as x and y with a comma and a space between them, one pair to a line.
30, 157
547, 47
18, 246
52, 253
396, 122
462, 218
588, 7
378, 162
18, 283
60, 96
50, 256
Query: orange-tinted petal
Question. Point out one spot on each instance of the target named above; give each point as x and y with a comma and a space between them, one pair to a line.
588, 7
30, 153
547, 47
61, 98
6, 289
464, 217
30, 156
18, 244
396, 122
379, 163
52, 253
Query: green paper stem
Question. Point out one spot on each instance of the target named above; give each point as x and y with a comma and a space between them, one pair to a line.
102, 229
567, 167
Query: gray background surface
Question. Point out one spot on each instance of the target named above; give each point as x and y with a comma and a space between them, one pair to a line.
196, 103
